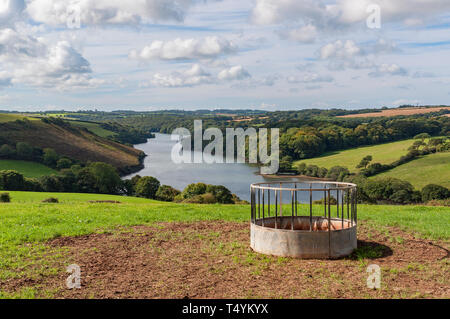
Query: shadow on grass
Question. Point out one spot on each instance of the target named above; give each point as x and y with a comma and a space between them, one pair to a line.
370, 250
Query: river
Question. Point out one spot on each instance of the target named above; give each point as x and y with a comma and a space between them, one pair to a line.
236, 177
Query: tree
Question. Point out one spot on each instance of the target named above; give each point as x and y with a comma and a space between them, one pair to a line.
107, 180
167, 193
286, 163
338, 173
50, 157
432, 191
7, 151
147, 187
11, 181
63, 163
221, 193
194, 190
24, 151
365, 161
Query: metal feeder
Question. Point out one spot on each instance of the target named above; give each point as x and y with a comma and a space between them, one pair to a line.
292, 229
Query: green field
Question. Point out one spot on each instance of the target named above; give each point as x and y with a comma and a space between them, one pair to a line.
430, 169
27, 224
94, 128
10, 117
28, 169
382, 153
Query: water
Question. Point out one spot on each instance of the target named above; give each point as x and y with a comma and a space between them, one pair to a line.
236, 177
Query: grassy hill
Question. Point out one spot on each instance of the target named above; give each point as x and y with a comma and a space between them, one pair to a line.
430, 169
94, 128
27, 169
69, 140
382, 153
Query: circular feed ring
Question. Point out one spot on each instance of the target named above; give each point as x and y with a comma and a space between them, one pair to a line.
318, 222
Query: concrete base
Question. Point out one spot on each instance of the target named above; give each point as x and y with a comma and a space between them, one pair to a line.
277, 238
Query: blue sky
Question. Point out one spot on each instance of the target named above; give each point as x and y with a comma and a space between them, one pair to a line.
192, 54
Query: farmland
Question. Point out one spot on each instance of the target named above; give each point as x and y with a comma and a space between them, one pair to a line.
116, 243
382, 153
398, 112
28, 169
430, 169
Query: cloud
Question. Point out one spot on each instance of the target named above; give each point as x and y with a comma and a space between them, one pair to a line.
191, 77
10, 11
35, 62
109, 12
340, 50
307, 18
187, 49
234, 73
305, 34
388, 69
310, 78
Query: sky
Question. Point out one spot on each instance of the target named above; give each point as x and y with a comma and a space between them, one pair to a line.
147, 55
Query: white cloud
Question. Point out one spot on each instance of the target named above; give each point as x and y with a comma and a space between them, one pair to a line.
104, 12
191, 77
310, 78
340, 50
10, 11
179, 49
305, 34
388, 69
35, 62
234, 73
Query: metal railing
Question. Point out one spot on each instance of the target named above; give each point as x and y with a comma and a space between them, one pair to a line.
338, 199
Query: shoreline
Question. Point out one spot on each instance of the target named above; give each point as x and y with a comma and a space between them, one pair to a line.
304, 177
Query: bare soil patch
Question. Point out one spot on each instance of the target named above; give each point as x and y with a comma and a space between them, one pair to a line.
398, 112
213, 260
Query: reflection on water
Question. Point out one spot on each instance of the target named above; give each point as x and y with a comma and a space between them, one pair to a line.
236, 177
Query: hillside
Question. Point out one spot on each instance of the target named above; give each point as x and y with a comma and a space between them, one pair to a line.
382, 153
430, 169
68, 140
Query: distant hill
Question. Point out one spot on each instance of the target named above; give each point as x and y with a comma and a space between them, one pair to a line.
68, 140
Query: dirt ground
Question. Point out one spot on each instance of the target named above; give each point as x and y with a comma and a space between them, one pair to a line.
213, 260
397, 112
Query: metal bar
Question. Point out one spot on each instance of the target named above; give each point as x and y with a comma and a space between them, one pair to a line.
259, 204
325, 203
293, 210
348, 204
263, 210
337, 202
252, 203
296, 201
281, 200
310, 209
329, 223
356, 206
268, 202
276, 209
342, 211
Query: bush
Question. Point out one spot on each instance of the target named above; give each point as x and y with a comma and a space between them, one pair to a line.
147, 187
7, 151
51, 200
193, 190
338, 173
390, 189
207, 198
434, 192
167, 193
221, 193
63, 163
5, 198
11, 180
107, 180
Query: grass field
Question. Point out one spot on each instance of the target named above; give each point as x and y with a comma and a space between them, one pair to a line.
430, 169
94, 128
28, 169
382, 153
27, 224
